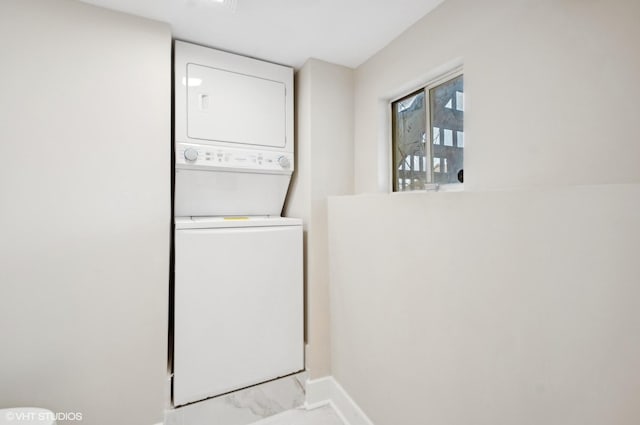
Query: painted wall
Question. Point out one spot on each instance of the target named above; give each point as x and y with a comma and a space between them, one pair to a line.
324, 150
516, 300
504, 307
85, 217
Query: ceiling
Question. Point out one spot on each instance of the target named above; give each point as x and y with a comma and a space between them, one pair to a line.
346, 32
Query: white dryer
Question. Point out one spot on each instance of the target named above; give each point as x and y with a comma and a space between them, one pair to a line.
233, 133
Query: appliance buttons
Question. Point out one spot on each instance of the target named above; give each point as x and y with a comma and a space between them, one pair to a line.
284, 162
190, 154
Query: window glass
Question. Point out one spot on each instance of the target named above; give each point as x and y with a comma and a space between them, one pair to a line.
447, 114
409, 155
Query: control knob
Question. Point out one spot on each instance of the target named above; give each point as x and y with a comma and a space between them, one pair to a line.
190, 154
284, 162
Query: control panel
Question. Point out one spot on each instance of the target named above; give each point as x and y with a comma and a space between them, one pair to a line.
232, 159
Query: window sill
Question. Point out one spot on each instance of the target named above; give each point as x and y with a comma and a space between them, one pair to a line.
451, 187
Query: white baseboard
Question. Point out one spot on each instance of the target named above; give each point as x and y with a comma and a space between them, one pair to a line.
327, 390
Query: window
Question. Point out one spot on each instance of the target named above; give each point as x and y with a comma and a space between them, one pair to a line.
428, 136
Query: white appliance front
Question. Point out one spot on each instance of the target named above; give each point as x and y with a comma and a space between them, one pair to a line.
238, 315
232, 107
227, 100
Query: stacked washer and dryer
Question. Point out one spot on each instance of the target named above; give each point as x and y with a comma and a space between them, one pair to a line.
238, 279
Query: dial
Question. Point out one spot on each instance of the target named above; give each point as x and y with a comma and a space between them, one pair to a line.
190, 154
284, 162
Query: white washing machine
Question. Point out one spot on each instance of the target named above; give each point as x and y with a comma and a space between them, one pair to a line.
238, 280
238, 304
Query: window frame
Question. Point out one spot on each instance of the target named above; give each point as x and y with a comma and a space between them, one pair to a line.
423, 88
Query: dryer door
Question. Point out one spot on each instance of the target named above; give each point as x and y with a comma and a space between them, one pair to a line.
238, 308
226, 106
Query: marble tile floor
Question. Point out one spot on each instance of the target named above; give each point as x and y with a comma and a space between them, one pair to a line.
324, 415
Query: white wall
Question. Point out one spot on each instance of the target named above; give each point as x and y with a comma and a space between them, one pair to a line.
497, 306
491, 308
85, 217
324, 155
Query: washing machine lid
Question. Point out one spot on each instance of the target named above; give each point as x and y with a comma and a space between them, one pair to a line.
234, 222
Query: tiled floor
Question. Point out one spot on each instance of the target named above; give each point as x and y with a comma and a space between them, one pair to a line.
324, 415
